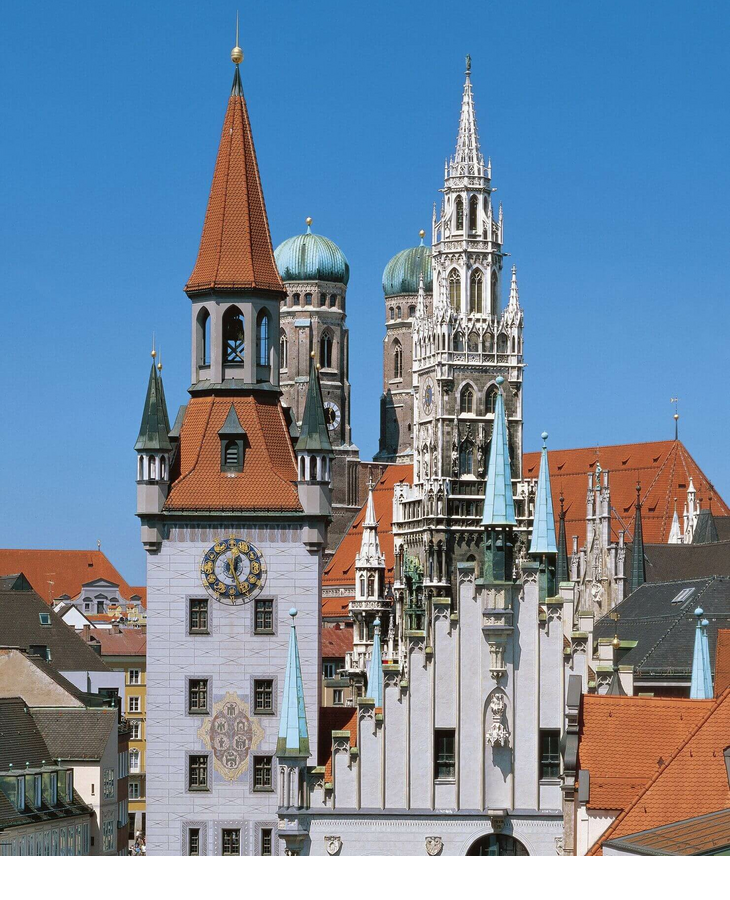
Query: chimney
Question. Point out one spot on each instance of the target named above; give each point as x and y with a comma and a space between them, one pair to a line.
86, 633
116, 628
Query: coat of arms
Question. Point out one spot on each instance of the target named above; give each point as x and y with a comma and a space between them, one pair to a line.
232, 735
434, 845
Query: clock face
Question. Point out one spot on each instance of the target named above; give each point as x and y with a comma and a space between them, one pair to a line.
332, 414
427, 396
233, 571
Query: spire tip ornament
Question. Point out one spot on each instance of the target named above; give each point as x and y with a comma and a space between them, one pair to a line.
237, 53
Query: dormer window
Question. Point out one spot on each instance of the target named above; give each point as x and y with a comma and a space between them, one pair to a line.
233, 437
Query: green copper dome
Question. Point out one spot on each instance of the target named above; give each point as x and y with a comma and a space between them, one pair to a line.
404, 271
311, 257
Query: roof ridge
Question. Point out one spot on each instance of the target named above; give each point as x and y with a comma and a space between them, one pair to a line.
716, 704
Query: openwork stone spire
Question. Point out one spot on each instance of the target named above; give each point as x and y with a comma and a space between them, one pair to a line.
370, 553
499, 505
468, 159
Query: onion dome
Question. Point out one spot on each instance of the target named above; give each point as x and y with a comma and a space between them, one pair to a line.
403, 273
311, 257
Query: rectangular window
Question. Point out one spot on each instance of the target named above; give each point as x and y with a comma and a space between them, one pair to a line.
193, 842
263, 690
231, 842
108, 783
266, 841
550, 753
134, 790
263, 616
262, 773
134, 704
69, 785
198, 772
20, 796
54, 788
134, 676
329, 669
198, 695
338, 697
37, 791
108, 835
136, 734
198, 620
445, 754
100, 607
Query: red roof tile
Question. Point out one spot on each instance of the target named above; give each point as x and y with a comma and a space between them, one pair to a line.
693, 782
334, 718
268, 480
722, 661
664, 469
55, 573
126, 642
336, 642
235, 248
624, 741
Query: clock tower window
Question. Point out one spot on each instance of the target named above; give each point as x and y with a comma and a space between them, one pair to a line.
397, 359
325, 350
233, 336
262, 338
283, 351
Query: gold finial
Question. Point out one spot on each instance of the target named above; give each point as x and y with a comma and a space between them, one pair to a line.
318, 367
154, 352
312, 354
616, 643
237, 53
308, 220
422, 234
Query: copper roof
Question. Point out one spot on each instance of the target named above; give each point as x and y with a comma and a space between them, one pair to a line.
235, 248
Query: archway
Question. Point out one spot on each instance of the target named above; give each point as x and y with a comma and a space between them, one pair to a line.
497, 845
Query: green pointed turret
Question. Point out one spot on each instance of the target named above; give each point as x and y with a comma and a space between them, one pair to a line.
155, 427
499, 505
293, 734
561, 566
638, 564
313, 434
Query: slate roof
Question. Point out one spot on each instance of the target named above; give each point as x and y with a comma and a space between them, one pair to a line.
624, 741
21, 741
155, 426
675, 562
68, 570
268, 479
235, 248
336, 642
72, 734
665, 630
313, 432
699, 836
693, 782
21, 627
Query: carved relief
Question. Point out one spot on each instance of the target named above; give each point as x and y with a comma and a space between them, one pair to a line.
333, 844
498, 733
434, 846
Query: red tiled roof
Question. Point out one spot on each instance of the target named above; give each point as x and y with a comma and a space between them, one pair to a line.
722, 662
664, 469
694, 781
624, 741
126, 642
341, 570
235, 248
268, 480
336, 642
334, 718
55, 573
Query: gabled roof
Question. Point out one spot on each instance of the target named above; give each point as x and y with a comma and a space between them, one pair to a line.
675, 562
660, 618
128, 642
705, 531
664, 469
693, 782
72, 734
55, 573
21, 627
268, 479
21, 741
155, 425
235, 248
624, 741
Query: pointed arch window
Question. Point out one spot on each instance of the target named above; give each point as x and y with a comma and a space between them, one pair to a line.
325, 350
495, 297
466, 458
459, 215
455, 289
502, 343
491, 399
411, 312
476, 292
262, 338
458, 342
472, 343
371, 585
473, 212
233, 336
362, 586
283, 350
204, 337
466, 404
397, 359
488, 343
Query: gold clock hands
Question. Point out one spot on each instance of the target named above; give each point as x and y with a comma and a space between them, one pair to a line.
231, 562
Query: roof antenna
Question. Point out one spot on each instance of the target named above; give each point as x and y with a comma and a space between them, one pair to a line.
675, 401
98, 546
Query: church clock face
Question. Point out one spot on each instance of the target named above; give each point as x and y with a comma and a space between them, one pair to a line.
427, 396
332, 414
233, 571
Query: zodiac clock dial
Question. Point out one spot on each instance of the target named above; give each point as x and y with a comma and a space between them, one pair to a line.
233, 571
427, 396
331, 414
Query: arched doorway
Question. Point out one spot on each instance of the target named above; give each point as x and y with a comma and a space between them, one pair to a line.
497, 845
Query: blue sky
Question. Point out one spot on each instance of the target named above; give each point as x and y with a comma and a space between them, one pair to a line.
608, 128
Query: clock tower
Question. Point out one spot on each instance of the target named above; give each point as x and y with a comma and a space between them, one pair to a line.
234, 512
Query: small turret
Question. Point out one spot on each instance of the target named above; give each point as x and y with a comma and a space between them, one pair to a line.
154, 449
542, 544
314, 457
701, 685
292, 745
375, 669
562, 572
498, 518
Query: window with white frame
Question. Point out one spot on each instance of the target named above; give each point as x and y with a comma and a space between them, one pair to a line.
134, 790
136, 734
134, 704
134, 676
134, 761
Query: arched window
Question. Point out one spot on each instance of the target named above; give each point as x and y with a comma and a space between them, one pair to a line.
392, 313
134, 760
455, 289
283, 350
459, 215
371, 585
325, 350
488, 343
476, 290
296, 299
411, 312
458, 342
230, 454
362, 586
204, 337
307, 299
140, 469
473, 212
490, 403
397, 312
152, 470
497, 845
472, 343
233, 336
466, 458
262, 338
495, 297
333, 300
397, 359
466, 404
163, 468
502, 343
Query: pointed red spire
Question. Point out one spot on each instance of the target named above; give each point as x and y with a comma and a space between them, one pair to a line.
235, 250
